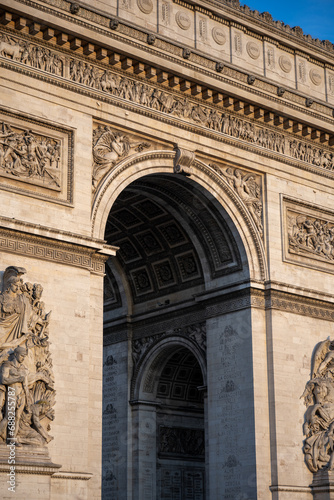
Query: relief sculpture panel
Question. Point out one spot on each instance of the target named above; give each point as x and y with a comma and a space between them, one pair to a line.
35, 157
29, 156
309, 236
27, 394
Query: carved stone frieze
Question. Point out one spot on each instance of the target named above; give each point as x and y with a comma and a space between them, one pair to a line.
181, 441
26, 374
111, 146
33, 55
319, 416
35, 153
248, 187
309, 235
29, 156
209, 117
177, 106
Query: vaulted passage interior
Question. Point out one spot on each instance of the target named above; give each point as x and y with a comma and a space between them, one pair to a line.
177, 247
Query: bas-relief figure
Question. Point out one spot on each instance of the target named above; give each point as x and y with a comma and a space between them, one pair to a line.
109, 147
26, 375
248, 187
35, 56
311, 236
319, 416
90, 75
27, 155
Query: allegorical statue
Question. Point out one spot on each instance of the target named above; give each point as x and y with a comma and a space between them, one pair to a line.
319, 416
109, 147
27, 394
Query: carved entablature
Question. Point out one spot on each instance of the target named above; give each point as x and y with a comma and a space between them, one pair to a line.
248, 186
35, 157
319, 417
27, 395
221, 116
210, 117
308, 235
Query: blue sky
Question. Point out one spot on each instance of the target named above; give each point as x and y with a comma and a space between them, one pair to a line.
315, 17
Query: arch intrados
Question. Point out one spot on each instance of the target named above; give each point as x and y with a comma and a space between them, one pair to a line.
162, 162
147, 376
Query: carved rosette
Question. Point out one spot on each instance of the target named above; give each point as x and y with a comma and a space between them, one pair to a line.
27, 394
319, 416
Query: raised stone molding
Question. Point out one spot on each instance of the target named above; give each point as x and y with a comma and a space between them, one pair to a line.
36, 154
308, 235
45, 470
20, 243
81, 476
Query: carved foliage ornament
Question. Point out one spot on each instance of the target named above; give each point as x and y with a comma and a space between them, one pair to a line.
319, 417
26, 375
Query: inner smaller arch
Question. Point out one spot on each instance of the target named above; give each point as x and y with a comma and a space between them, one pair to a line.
180, 428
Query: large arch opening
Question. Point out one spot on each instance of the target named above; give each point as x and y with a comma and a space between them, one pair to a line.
179, 251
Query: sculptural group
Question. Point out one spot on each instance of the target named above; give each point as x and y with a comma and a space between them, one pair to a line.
319, 416
27, 394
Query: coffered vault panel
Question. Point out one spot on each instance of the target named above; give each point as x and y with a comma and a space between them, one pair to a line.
162, 226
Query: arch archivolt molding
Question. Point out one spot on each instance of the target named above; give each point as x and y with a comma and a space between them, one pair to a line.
145, 376
210, 177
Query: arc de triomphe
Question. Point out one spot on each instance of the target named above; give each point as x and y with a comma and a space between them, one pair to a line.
167, 237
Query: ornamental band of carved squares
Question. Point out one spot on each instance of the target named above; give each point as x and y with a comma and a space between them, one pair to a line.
36, 158
27, 406
115, 87
308, 235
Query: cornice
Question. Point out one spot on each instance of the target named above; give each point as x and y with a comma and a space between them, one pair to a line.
52, 250
63, 237
137, 38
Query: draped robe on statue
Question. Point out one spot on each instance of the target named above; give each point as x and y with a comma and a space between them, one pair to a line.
15, 320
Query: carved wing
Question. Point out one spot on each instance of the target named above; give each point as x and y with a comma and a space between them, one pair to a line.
319, 355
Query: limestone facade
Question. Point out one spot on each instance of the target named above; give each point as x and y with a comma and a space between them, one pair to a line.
167, 177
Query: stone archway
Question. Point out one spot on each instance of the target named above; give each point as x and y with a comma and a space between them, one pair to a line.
170, 419
178, 286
